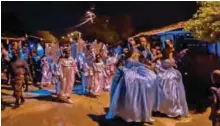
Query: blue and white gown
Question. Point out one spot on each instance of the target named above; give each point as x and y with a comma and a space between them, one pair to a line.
74, 50
23, 55
40, 50
56, 77
10, 55
171, 98
133, 93
80, 63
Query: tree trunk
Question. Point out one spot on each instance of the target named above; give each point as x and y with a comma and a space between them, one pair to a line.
216, 50
207, 48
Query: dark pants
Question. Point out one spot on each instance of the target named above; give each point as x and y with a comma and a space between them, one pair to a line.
37, 77
215, 112
216, 121
26, 83
2, 105
8, 76
17, 85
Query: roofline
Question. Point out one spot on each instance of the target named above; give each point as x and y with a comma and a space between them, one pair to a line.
163, 29
14, 39
21, 38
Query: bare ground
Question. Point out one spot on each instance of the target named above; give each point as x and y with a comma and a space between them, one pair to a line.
41, 109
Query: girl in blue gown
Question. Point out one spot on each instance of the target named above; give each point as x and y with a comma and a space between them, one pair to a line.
133, 91
171, 97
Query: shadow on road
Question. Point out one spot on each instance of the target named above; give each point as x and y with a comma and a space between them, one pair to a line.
45, 98
100, 119
117, 121
7, 104
8, 87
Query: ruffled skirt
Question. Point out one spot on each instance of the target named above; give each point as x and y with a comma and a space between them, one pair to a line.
133, 94
171, 98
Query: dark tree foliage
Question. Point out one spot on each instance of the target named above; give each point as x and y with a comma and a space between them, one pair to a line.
12, 26
110, 30
47, 36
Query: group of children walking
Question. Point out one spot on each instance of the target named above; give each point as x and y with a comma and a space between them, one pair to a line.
98, 69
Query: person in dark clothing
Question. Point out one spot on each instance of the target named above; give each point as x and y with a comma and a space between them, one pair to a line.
18, 69
215, 106
5, 61
34, 62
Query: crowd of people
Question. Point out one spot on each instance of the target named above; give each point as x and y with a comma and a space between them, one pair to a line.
142, 77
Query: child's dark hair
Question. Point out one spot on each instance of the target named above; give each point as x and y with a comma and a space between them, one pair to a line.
88, 46
164, 54
141, 48
216, 77
97, 57
166, 45
44, 56
125, 55
65, 50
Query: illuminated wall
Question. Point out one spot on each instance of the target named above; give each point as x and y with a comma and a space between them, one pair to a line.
213, 49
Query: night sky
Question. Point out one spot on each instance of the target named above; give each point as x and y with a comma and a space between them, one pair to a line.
56, 16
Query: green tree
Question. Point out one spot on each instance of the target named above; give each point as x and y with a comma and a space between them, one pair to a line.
47, 36
205, 24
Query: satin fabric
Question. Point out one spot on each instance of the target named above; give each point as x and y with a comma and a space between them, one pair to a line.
110, 68
10, 55
46, 72
98, 78
23, 56
80, 60
68, 69
118, 50
40, 50
133, 93
88, 70
171, 98
74, 50
56, 77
